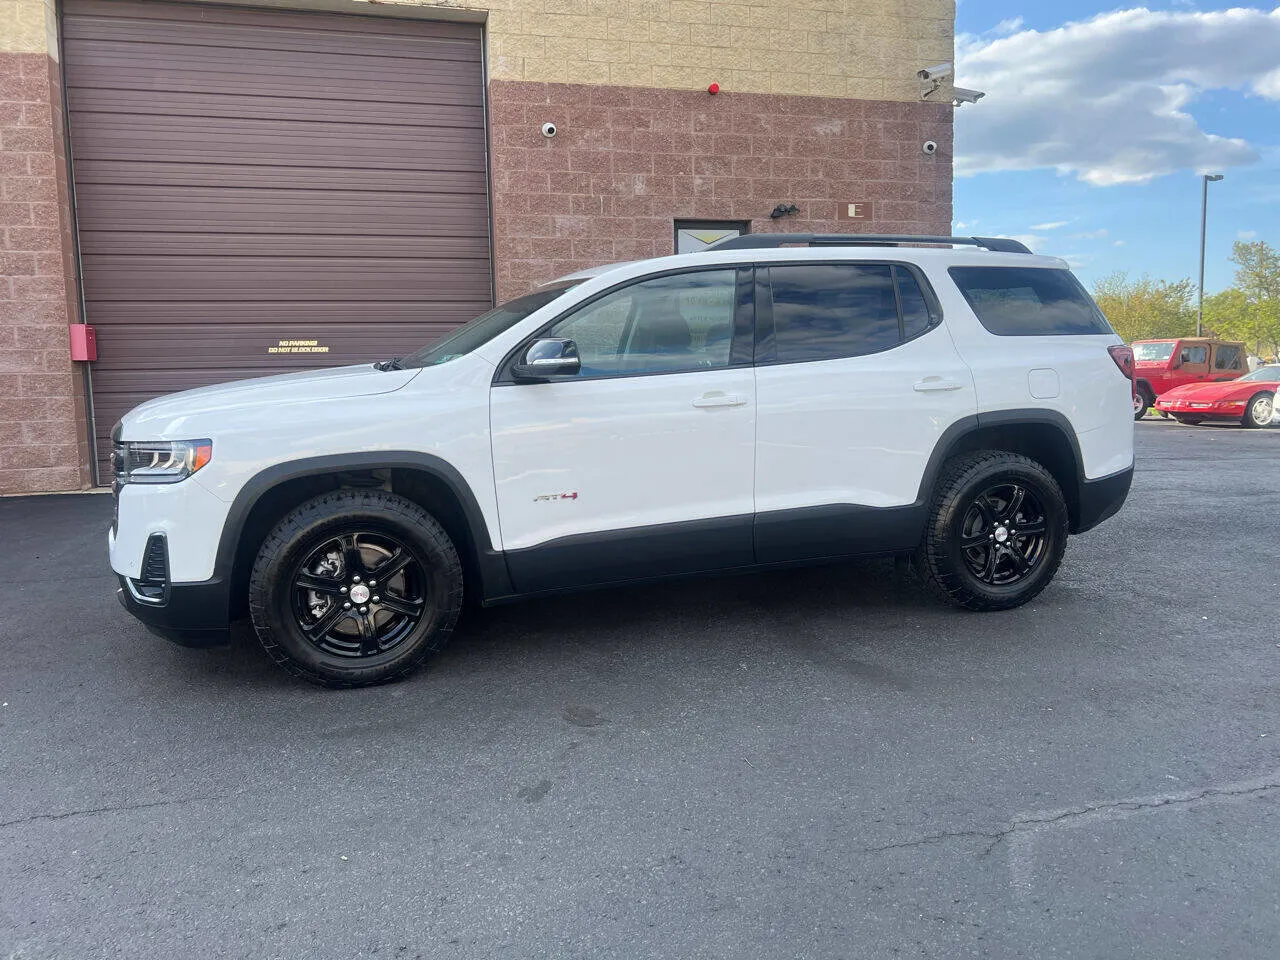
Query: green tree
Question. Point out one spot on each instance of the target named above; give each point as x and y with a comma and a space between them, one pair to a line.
1147, 309
1252, 312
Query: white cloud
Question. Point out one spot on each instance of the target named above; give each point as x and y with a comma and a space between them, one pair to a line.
1118, 243
1006, 27
1105, 99
1246, 234
1056, 224
1090, 235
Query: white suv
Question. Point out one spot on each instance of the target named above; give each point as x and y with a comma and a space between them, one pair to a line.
758, 404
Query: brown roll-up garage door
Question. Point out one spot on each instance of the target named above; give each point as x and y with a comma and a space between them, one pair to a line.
262, 191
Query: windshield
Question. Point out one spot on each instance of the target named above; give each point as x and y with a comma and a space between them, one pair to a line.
1271, 372
482, 329
1152, 351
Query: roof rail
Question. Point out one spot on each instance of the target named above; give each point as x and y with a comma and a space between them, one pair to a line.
765, 241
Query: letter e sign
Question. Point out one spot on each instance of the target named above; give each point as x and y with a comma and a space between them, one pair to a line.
860, 210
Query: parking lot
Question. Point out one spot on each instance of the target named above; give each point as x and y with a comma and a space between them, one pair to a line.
820, 763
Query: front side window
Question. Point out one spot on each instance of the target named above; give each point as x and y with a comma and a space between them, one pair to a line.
1029, 301
1226, 357
665, 325
826, 311
1195, 355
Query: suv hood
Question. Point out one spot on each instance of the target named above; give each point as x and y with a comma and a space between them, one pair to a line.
335, 383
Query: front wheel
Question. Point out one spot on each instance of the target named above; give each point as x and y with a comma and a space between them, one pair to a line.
1259, 411
1189, 421
996, 533
355, 587
1141, 403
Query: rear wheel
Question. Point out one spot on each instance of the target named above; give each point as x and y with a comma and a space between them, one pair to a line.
996, 532
355, 587
1259, 411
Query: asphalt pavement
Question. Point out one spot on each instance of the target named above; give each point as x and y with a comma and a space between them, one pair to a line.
819, 764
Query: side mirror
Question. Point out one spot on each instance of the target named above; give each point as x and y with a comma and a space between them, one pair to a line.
547, 358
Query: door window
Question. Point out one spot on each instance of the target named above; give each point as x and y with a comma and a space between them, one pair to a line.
1226, 357
1195, 356
825, 311
665, 325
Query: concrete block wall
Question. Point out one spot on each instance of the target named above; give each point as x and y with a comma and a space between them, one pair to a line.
627, 161
43, 433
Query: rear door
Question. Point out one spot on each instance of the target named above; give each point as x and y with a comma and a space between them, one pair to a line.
1228, 361
856, 382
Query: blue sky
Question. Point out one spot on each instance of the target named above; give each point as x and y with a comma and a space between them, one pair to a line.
1099, 119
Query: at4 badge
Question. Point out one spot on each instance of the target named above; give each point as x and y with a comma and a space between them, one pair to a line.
556, 496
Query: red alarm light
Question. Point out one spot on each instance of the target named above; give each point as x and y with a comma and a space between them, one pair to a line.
713, 89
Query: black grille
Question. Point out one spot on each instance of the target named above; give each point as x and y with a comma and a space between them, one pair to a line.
155, 563
153, 585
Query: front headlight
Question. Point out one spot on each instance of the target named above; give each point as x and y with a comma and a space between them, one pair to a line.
159, 461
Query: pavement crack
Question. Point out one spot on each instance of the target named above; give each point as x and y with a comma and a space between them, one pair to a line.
1097, 811
94, 811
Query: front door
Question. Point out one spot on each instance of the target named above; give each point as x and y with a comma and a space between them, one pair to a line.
1191, 364
641, 464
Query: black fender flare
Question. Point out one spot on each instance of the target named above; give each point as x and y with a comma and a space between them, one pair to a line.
491, 564
952, 437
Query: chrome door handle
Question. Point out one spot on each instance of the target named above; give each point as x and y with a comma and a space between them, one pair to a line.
719, 400
936, 385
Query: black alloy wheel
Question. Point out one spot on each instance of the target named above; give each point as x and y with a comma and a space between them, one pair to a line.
1003, 534
355, 587
996, 531
359, 594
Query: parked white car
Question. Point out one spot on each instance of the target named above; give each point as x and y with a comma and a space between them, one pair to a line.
752, 405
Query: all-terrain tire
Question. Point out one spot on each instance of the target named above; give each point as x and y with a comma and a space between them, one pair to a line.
963, 492
379, 517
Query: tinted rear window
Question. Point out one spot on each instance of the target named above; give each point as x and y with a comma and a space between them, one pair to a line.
1029, 301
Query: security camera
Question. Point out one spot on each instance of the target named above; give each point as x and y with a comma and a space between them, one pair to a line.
549, 130
940, 72
961, 95
930, 146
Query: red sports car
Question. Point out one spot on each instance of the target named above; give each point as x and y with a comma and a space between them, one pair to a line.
1250, 400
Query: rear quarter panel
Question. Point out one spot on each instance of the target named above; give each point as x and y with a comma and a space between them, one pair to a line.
1012, 373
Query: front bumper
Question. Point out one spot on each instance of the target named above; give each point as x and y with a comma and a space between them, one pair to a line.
192, 615
1188, 408
1101, 499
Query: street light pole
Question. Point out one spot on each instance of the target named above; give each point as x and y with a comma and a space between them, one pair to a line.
1204, 216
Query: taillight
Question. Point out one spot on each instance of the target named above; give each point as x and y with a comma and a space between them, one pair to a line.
1123, 356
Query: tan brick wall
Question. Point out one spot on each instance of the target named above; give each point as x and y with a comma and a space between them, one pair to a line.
28, 26
866, 49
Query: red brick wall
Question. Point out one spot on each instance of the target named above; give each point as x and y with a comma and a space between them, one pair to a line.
627, 161
43, 439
